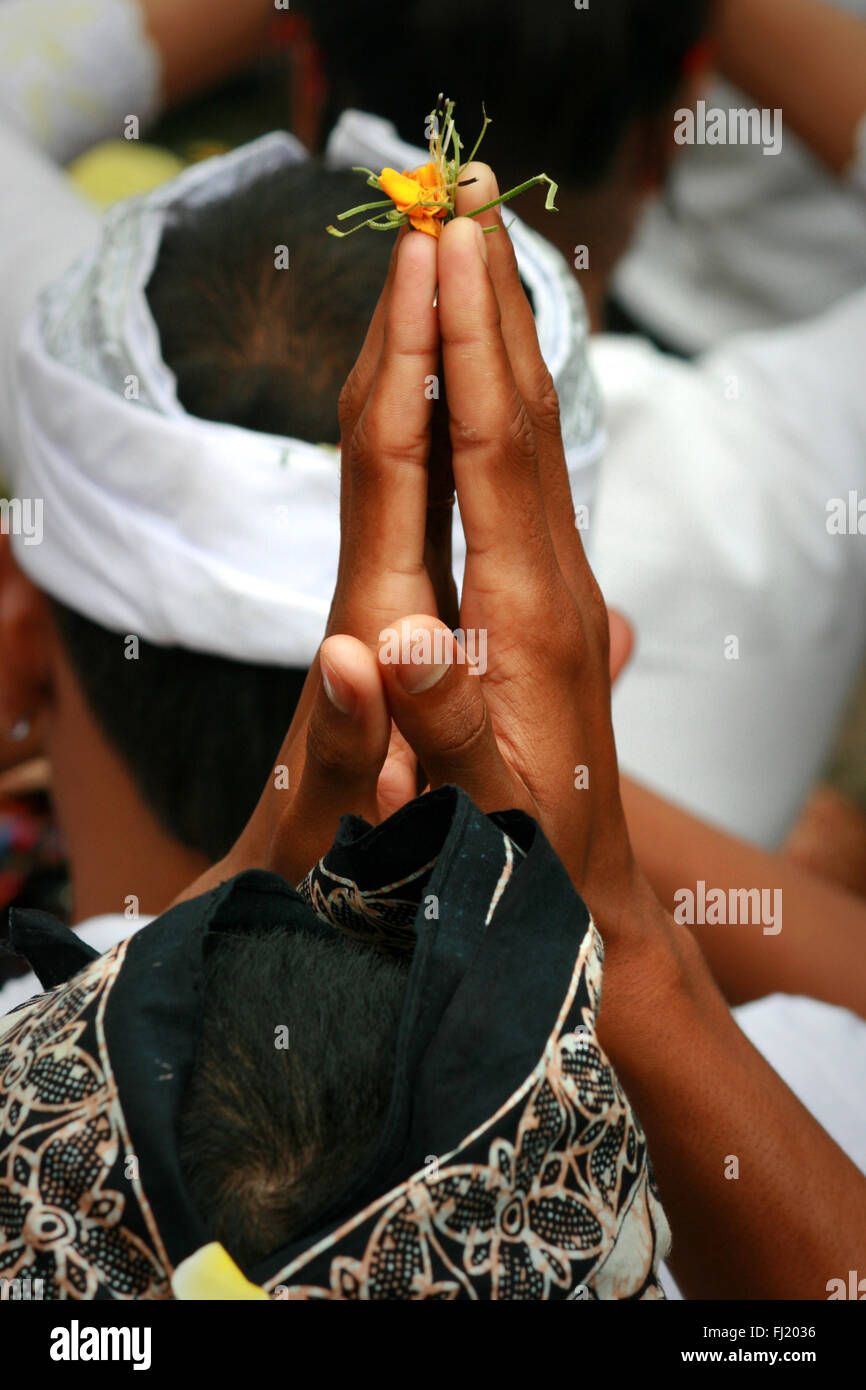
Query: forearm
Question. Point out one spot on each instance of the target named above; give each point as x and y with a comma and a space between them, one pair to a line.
819, 950
762, 1203
202, 41
805, 57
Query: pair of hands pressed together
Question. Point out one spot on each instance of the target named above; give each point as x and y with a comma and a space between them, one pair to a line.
513, 736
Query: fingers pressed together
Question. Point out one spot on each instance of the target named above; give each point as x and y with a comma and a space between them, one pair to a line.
492, 708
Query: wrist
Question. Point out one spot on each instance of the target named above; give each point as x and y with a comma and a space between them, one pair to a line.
654, 972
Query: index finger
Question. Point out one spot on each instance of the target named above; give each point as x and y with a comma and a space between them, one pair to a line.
359, 381
532, 378
384, 463
361, 376
494, 456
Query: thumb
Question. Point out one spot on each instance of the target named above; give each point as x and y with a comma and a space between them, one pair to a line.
346, 744
621, 642
438, 704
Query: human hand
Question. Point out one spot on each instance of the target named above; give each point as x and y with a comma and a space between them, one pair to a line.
533, 730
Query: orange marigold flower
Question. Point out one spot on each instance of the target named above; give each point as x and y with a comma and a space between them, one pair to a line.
425, 197
413, 187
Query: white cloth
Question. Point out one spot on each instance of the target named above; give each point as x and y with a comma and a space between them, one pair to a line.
185, 531
45, 224
99, 932
712, 524
743, 241
73, 72
157, 523
820, 1053
69, 77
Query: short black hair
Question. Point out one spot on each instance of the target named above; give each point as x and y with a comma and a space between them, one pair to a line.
267, 349
257, 345
198, 733
562, 85
269, 1133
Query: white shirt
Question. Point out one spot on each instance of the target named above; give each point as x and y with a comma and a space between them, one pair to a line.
711, 536
74, 73
70, 76
745, 240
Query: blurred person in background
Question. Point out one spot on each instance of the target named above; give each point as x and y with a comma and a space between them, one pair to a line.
742, 240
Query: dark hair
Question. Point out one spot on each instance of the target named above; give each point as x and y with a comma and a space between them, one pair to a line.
259, 346
198, 733
561, 84
270, 1134
264, 348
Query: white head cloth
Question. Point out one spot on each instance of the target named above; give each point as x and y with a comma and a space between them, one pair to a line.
184, 531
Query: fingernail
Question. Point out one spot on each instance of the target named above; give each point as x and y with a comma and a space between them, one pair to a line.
341, 695
482, 243
416, 677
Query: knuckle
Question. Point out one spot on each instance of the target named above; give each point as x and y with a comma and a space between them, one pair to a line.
598, 612
347, 404
378, 448
364, 457
518, 439
325, 749
361, 447
507, 428
533, 602
462, 727
566, 647
521, 431
545, 401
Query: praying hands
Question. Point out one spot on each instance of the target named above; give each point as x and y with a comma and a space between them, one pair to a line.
364, 719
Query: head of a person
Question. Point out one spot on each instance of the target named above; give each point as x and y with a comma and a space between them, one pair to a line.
279, 1063
256, 338
586, 93
291, 1082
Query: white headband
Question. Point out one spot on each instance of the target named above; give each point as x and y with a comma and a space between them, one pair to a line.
184, 531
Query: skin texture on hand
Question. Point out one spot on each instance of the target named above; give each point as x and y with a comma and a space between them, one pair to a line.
527, 585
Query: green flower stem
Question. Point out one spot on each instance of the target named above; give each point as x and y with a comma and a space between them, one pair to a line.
450, 171
481, 134
364, 207
549, 203
387, 223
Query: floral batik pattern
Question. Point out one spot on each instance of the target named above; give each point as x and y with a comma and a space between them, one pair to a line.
66, 1213
551, 1196
567, 1208
383, 917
